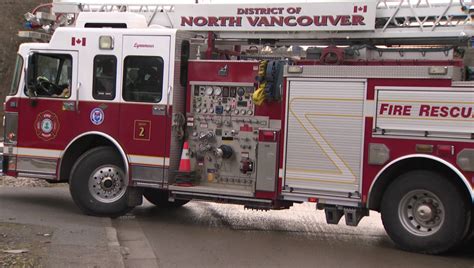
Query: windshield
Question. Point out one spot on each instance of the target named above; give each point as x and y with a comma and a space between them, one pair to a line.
50, 75
16, 76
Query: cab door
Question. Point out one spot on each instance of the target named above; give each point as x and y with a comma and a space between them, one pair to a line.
144, 123
48, 111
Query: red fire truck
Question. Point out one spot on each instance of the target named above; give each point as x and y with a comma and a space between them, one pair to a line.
352, 105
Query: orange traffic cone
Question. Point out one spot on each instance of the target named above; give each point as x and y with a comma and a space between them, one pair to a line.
185, 163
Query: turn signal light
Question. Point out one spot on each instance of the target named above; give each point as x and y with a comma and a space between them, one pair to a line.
12, 163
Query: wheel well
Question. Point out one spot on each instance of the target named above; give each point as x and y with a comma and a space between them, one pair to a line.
407, 165
79, 147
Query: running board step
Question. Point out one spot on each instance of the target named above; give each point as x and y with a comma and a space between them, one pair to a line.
352, 215
333, 215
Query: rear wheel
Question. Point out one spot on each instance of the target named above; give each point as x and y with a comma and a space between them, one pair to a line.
469, 239
98, 183
160, 198
424, 212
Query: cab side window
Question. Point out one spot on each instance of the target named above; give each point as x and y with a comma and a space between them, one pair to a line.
49, 75
143, 79
105, 73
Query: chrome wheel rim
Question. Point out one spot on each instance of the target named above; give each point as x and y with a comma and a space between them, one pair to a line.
421, 212
107, 184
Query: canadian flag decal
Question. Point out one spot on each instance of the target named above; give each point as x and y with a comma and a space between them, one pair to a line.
78, 41
362, 9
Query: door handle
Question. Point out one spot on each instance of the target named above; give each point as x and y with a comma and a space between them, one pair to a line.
158, 110
77, 96
170, 89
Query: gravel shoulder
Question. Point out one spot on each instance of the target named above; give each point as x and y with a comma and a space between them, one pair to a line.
23, 245
6, 181
41, 227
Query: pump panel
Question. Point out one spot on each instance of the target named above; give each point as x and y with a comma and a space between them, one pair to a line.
224, 135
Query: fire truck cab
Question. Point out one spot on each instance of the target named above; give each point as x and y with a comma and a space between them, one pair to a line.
121, 109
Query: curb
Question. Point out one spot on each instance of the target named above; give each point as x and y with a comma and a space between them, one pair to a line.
113, 244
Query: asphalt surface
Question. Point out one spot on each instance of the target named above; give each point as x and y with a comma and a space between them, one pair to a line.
76, 240
203, 234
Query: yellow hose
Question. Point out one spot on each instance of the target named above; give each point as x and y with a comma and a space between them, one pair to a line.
258, 96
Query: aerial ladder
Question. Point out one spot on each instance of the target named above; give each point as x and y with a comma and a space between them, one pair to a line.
395, 22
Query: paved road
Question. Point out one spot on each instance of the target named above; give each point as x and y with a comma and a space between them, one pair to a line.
202, 234
76, 240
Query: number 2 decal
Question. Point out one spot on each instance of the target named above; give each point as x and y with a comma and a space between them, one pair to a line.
142, 130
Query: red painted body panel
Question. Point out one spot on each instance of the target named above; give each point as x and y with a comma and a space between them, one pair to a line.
27, 132
109, 126
157, 142
402, 147
242, 71
118, 123
457, 63
283, 126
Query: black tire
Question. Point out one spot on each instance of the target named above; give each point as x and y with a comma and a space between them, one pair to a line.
469, 239
439, 212
105, 194
160, 198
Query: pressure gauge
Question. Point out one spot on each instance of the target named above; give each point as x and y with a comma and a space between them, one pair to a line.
240, 91
217, 91
209, 91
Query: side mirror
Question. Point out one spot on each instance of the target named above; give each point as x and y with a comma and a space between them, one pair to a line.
29, 75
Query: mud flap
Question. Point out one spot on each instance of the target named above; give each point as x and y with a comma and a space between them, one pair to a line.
135, 197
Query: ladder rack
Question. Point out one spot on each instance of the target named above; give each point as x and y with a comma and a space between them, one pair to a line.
396, 21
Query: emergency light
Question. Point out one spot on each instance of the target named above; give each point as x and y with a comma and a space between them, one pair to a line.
106, 42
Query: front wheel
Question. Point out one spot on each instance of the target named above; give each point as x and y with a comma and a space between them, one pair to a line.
424, 212
98, 183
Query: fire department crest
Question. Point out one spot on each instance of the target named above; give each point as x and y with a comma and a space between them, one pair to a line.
97, 116
47, 125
